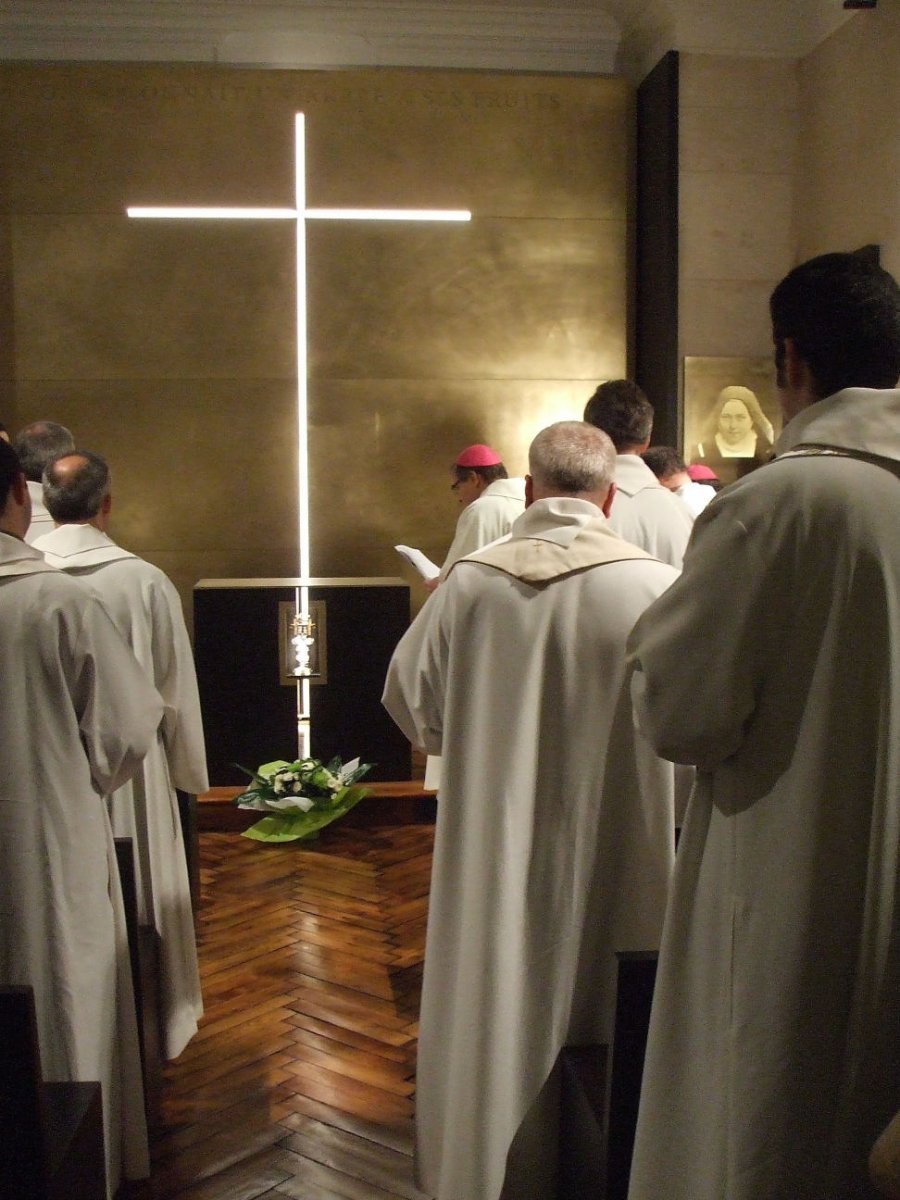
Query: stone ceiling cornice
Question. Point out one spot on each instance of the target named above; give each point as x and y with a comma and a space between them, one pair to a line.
589, 36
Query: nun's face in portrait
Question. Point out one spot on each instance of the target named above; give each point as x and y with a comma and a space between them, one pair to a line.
734, 422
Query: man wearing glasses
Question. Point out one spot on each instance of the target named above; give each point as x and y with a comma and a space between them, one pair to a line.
490, 500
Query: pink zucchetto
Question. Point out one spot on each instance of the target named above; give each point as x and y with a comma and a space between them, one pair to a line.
478, 455
700, 474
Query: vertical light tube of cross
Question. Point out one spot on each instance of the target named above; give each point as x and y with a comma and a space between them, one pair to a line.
302, 592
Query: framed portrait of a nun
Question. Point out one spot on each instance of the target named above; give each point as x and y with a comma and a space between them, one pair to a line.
731, 414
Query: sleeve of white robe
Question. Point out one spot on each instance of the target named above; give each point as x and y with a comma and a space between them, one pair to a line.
176, 681
118, 709
699, 648
414, 688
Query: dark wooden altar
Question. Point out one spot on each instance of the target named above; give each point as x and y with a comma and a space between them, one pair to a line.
250, 713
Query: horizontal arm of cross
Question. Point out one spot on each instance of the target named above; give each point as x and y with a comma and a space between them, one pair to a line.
294, 214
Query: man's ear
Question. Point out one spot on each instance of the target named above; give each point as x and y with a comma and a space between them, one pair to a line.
529, 491
796, 369
797, 384
606, 506
19, 489
102, 518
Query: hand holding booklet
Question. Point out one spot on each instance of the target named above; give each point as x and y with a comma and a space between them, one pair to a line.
426, 568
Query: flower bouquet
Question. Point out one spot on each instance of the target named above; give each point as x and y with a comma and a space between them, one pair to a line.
300, 797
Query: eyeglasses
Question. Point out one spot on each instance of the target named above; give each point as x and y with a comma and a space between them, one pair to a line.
454, 486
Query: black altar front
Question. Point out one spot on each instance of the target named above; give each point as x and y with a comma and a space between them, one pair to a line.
250, 714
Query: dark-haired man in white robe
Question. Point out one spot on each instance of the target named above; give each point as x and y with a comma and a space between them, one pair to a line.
774, 1053
77, 717
643, 511
147, 611
554, 838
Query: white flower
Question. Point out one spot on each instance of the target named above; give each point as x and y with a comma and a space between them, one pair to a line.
348, 769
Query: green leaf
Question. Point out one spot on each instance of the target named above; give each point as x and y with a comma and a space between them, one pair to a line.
275, 828
269, 769
291, 826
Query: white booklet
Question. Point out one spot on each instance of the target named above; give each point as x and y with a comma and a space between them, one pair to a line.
423, 564
432, 773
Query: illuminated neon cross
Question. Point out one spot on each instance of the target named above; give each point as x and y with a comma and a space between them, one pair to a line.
300, 214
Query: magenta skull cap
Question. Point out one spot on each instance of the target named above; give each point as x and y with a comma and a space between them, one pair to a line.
478, 455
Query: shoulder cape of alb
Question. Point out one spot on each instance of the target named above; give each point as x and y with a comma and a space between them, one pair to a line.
77, 546
18, 558
539, 551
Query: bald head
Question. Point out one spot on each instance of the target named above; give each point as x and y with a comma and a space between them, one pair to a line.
77, 488
38, 444
571, 458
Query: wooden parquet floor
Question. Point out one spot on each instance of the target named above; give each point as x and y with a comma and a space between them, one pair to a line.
300, 1082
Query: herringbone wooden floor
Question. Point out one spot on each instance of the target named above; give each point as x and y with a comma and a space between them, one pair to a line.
300, 1082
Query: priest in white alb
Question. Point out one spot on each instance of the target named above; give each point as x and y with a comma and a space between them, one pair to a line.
773, 1059
643, 512
554, 840
36, 445
77, 717
490, 501
147, 610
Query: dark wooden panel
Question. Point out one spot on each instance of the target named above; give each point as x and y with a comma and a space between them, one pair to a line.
143, 951
51, 1134
187, 815
634, 997
22, 1114
582, 1147
75, 1128
390, 803
656, 247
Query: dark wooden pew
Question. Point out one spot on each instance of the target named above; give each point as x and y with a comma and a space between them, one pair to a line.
598, 1126
143, 950
51, 1134
634, 997
582, 1140
187, 813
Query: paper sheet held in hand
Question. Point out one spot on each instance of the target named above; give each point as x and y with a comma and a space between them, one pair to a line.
426, 568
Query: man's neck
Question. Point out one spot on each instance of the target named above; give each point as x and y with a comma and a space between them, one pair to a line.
673, 482
94, 522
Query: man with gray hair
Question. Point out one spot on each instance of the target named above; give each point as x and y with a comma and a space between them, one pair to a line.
555, 836
36, 445
146, 609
